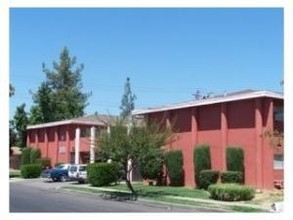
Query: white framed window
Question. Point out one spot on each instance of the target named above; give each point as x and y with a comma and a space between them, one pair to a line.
278, 161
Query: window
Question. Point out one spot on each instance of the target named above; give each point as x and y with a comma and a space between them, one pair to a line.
278, 161
279, 113
85, 132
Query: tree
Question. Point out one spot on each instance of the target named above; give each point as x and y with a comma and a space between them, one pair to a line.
127, 101
43, 110
12, 136
20, 123
60, 96
11, 90
141, 144
275, 137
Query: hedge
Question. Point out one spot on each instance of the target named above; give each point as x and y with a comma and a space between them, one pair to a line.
174, 163
45, 162
31, 170
25, 156
235, 159
102, 174
208, 177
34, 155
232, 177
231, 192
201, 160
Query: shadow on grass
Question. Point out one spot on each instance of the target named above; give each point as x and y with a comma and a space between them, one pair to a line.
140, 193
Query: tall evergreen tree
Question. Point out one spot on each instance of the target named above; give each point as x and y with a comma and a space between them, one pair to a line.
60, 96
43, 110
11, 90
127, 101
20, 122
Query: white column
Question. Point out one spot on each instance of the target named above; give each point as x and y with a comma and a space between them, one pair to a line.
92, 147
108, 129
77, 145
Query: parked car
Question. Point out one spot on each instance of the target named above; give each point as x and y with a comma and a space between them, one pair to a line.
60, 173
77, 173
46, 173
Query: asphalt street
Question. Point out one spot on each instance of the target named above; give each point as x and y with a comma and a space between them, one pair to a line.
46, 196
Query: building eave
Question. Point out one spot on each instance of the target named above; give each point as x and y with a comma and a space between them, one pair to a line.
210, 101
66, 122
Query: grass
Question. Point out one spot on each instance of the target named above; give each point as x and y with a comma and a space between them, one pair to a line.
155, 191
166, 194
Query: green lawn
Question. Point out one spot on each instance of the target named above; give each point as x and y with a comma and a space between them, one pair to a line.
155, 191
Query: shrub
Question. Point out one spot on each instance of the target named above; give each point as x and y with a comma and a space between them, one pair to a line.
232, 177
174, 163
25, 156
231, 192
102, 174
44, 162
235, 159
34, 155
149, 166
31, 170
208, 177
201, 160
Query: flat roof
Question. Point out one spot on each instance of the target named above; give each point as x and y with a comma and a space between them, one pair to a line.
236, 96
94, 120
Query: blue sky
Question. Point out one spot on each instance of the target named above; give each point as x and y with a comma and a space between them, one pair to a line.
167, 53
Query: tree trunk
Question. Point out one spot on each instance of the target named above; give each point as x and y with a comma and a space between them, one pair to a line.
129, 185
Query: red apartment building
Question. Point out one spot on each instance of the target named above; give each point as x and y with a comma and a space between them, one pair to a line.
236, 119
68, 141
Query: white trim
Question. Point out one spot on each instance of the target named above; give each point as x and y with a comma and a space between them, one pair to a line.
57, 123
210, 101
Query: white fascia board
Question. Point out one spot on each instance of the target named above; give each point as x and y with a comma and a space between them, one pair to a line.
210, 101
58, 123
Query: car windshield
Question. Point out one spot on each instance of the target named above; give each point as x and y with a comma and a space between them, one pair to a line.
72, 168
60, 166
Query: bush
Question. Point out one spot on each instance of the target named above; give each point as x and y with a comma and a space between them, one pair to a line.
31, 170
44, 162
174, 163
25, 156
149, 166
208, 177
235, 159
102, 174
231, 192
34, 155
232, 177
201, 160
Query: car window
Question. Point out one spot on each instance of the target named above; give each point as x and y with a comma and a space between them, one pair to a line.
73, 168
82, 168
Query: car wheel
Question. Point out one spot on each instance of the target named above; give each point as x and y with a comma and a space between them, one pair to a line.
81, 181
63, 179
54, 179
